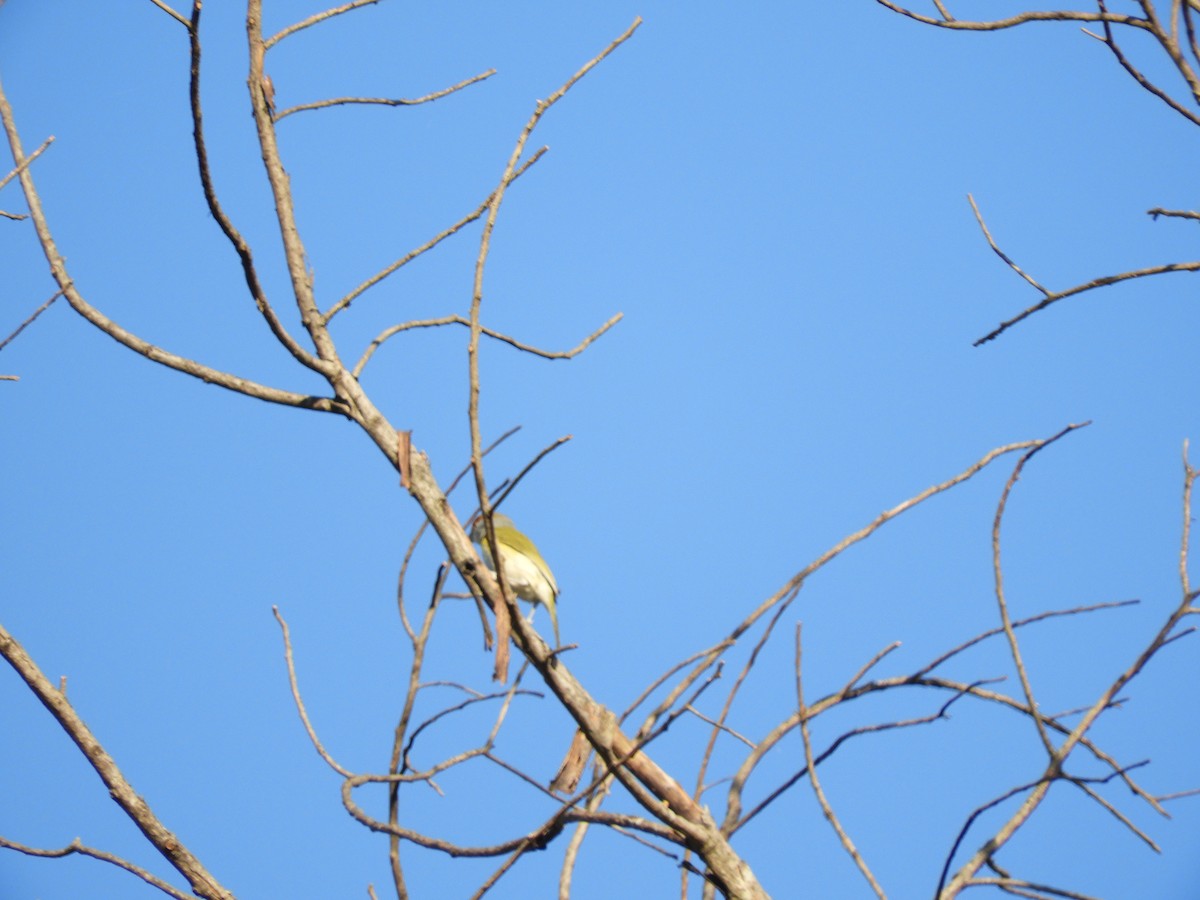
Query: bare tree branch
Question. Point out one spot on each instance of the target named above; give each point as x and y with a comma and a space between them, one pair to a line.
170, 846
1011, 885
1173, 213
77, 846
1168, 38
24, 164
1004, 256
292, 682
1038, 790
235, 238
1001, 600
819, 791
59, 270
1112, 810
947, 21
503, 338
1172, 49
504, 606
172, 13
1082, 288
386, 101
29, 321
314, 20
427, 246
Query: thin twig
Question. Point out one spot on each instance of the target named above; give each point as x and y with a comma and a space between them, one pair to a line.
1058, 757
869, 665
502, 601
1185, 538
1076, 610
76, 846
1136, 74
292, 682
662, 679
1004, 256
315, 19
882, 519
542, 454
25, 163
1020, 19
732, 821
727, 708
719, 726
826, 808
386, 101
1105, 281
240, 245
496, 335
1178, 795
1112, 810
998, 575
966, 827
37, 312
172, 13
1015, 886
424, 248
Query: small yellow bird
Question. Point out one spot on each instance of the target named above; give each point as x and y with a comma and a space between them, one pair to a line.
524, 569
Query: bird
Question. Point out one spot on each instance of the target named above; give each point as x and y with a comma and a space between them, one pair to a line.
524, 569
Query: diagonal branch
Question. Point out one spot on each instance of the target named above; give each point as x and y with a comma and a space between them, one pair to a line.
172, 13
1082, 288
299, 701
139, 812
427, 246
29, 321
25, 163
1004, 256
314, 20
77, 846
1171, 47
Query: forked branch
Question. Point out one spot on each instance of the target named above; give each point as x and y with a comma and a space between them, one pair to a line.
1051, 297
1057, 756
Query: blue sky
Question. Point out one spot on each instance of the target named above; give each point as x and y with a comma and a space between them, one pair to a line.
776, 200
